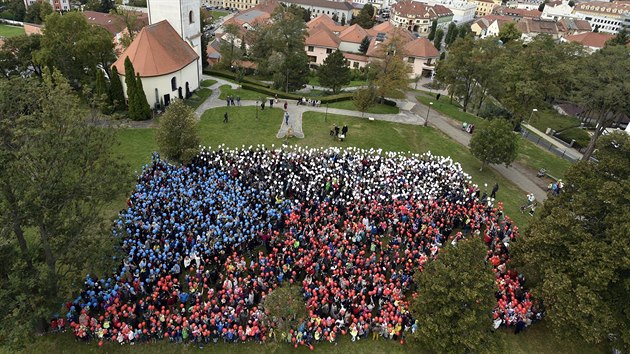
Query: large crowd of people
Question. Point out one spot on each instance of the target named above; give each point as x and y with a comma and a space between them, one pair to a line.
205, 243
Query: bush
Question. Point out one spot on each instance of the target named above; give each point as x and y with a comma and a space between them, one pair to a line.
292, 96
491, 111
579, 135
233, 76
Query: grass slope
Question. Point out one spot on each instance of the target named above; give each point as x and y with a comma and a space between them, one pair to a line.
377, 108
10, 31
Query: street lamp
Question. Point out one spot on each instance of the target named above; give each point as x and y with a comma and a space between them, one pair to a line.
530, 119
426, 121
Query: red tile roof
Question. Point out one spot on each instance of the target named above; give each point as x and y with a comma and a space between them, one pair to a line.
321, 36
356, 57
353, 34
325, 20
157, 50
590, 39
421, 48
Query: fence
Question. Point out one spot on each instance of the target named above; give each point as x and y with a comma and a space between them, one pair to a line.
563, 153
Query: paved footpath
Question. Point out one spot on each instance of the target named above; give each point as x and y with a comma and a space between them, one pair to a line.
411, 112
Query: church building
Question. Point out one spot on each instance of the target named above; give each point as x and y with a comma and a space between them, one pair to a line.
166, 54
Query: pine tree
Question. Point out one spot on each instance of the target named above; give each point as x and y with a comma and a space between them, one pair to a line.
455, 300
433, 28
130, 81
101, 92
451, 34
143, 106
365, 45
117, 96
334, 72
437, 41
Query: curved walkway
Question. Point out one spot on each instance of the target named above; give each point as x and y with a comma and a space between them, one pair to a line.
411, 112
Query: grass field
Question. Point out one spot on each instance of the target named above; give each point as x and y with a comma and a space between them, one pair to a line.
198, 97
529, 155
10, 31
136, 146
377, 108
208, 82
314, 81
535, 340
227, 90
218, 14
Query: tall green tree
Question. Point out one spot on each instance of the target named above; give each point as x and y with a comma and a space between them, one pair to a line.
101, 92
365, 45
37, 12
364, 98
621, 38
231, 53
116, 91
17, 53
334, 73
278, 48
458, 71
390, 73
76, 48
575, 253
455, 300
494, 143
433, 29
58, 179
13, 10
606, 96
365, 18
437, 41
143, 105
451, 34
133, 104
508, 33
177, 136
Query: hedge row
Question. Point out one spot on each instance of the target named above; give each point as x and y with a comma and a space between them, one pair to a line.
232, 76
294, 96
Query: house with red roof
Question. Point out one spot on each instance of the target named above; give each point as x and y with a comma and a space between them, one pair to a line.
418, 17
592, 41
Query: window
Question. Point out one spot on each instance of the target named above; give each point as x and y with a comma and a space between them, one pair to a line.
411, 60
355, 64
173, 84
328, 51
191, 17
310, 48
312, 59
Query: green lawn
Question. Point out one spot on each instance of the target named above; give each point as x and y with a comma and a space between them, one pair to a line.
534, 157
549, 118
377, 108
227, 90
218, 14
208, 82
314, 81
450, 109
530, 154
10, 31
580, 136
198, 97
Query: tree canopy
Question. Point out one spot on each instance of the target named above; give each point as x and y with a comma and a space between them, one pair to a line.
508, 33
58, 177
390, 73
177, 136
495, 143
334, 73
365, 18
576, 251
455, 300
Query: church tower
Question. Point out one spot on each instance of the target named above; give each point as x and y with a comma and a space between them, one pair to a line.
184, 16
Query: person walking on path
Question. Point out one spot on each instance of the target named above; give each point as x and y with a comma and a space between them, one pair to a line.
238, 100
271, 103
344, 130
495, 189
262, 105
286, 105
286, 118
225, 117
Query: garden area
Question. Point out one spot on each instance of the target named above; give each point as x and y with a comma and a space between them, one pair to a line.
10, 31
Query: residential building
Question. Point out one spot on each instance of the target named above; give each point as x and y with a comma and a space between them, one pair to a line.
484, 7
463, 11
557, 11
617, 10
418, 52
356, 61
571, 26
592, 41
418, 17
324, 7
351, 38
115, 25
166, 53
320, 42
516, 14
248, 19
489, 25
530, 28
57, 5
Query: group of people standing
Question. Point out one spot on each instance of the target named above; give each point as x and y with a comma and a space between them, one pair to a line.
206, 243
